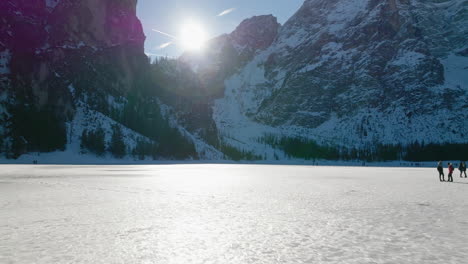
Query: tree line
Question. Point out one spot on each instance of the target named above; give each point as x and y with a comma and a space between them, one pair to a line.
302, 148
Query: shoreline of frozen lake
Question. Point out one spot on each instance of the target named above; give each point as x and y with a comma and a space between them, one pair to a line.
230, 214
68, 158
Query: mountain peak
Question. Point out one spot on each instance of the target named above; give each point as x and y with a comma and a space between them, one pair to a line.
257, 32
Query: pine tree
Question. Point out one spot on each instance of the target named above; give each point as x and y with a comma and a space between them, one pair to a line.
142, 149
117, 144
94, 141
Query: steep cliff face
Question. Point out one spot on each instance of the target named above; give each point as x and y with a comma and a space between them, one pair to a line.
42, 33
369, 43
48, 46
95, 23
110, 28
68, 67
356, 73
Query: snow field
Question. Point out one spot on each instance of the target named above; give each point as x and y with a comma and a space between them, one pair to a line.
230, 214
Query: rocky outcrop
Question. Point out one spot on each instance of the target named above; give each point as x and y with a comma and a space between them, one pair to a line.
256, 33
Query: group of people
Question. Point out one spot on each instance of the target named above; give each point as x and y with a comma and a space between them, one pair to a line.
451, 169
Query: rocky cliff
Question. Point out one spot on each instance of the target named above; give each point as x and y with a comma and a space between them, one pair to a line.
355, 74
69, 68
41, 33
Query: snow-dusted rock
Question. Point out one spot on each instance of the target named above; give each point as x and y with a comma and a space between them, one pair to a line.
355, 73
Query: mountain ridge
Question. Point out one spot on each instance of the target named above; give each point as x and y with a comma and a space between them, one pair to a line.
378, 66
373, 80
353, 77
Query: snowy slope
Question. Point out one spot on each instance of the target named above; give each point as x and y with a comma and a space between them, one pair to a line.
204, 150
86, 119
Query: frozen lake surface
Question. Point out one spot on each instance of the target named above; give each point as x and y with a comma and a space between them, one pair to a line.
230, 214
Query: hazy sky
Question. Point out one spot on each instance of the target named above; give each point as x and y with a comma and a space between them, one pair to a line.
169, 16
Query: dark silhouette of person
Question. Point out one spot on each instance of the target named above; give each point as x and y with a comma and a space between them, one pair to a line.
450, 169
462, 169
440, 169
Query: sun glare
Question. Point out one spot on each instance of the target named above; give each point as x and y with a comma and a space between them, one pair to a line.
192, 37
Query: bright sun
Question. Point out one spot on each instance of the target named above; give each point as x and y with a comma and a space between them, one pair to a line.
192, 37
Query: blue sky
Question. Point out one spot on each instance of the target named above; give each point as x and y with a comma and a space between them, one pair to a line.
169, 16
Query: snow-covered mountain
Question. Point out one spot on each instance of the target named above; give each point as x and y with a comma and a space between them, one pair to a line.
354, 74
341, 79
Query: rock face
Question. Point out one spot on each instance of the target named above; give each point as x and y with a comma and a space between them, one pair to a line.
39, 34
54, 51
226, 54
355, 73
256, 33
96, 23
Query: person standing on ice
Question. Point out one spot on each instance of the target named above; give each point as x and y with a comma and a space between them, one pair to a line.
440, 168
450, 169
462, 169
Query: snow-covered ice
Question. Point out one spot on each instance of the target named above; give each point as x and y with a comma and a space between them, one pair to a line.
230, 214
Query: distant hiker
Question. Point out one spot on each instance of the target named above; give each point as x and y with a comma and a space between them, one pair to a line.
440, 168
462, 169
450, 169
